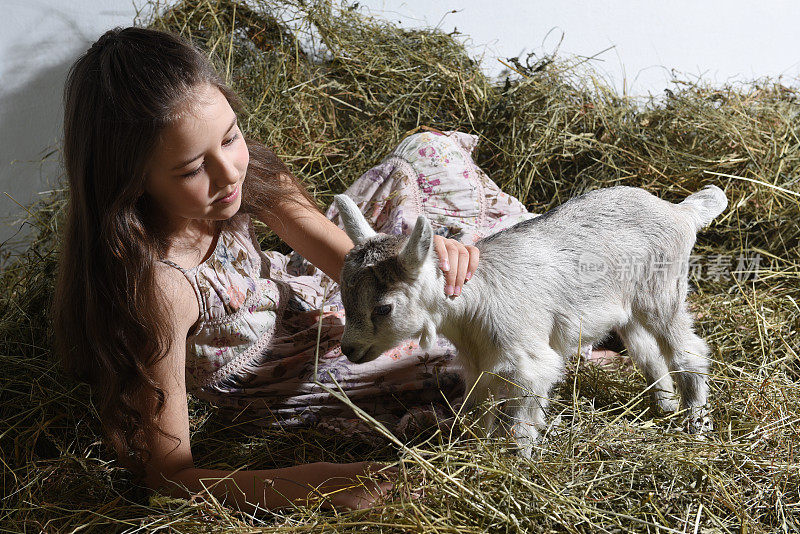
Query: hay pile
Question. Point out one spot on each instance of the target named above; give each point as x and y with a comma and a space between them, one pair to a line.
548, 134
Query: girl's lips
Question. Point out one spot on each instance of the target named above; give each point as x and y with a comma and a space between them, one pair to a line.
230, 198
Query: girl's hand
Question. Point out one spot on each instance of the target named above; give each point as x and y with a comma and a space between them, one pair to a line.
354, 486
457, 260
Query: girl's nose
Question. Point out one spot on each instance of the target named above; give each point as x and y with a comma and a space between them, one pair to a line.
227, 172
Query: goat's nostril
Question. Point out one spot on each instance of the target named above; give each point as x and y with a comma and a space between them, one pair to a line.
348, 350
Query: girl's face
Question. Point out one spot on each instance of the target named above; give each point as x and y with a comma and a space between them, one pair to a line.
197, 171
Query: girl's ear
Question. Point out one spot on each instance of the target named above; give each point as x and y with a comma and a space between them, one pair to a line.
418, 247
355, 225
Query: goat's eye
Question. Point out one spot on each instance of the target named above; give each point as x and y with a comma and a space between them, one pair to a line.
382, 309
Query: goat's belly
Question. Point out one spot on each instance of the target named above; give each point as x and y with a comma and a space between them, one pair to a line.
481, 359
595, 324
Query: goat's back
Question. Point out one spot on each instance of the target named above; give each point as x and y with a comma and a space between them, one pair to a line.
592, 247
617, 217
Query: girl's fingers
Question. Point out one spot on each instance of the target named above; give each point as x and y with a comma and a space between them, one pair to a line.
441, 251
383, 475
383, 470
383, 478
463, 265
448, 259
457, 261
450, 276
474, 255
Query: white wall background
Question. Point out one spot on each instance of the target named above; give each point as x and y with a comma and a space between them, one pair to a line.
39, 40
717, 41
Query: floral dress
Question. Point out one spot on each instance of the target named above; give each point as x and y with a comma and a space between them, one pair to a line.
254, 348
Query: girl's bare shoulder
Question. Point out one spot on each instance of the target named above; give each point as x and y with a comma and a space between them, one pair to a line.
178, 295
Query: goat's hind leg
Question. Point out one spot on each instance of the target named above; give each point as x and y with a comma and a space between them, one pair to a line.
687, 356
645, 352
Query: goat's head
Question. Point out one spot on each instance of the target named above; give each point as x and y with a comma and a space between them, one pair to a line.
382, 281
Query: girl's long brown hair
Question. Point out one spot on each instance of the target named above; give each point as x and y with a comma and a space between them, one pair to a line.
109, 319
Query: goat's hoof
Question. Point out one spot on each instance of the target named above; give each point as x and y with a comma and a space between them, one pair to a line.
524, 450
526, 436
667, 406
524, 446
699, 421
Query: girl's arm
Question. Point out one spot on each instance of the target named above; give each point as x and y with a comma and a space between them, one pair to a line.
304, 228
171, 467
339, 485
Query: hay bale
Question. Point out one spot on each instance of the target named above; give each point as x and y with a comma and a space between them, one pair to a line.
547, 134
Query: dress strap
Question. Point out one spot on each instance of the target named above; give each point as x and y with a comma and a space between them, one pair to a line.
192, 279
173, 264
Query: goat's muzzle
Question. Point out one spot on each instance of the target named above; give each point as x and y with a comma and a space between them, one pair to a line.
352, 353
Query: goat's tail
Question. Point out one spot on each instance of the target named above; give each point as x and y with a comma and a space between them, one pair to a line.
705, 205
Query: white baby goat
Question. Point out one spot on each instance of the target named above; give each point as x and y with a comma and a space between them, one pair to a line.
542, 288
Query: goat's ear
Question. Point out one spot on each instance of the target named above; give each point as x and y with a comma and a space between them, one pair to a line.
355, 225
418, 246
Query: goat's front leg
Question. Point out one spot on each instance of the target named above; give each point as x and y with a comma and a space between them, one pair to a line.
534, 375
481, 389
481, 386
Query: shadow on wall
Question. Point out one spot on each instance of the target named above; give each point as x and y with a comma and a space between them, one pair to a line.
31, 124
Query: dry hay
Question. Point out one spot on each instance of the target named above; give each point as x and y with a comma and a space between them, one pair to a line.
549, 131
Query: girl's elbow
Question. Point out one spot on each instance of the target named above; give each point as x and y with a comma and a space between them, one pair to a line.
174, 483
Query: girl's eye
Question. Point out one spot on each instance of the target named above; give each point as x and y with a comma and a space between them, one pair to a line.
198, 169
382, 309
194, 172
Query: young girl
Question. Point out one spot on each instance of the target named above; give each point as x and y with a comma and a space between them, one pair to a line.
162, 288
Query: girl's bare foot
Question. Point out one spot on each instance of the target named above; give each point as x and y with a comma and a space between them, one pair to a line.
606, 358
